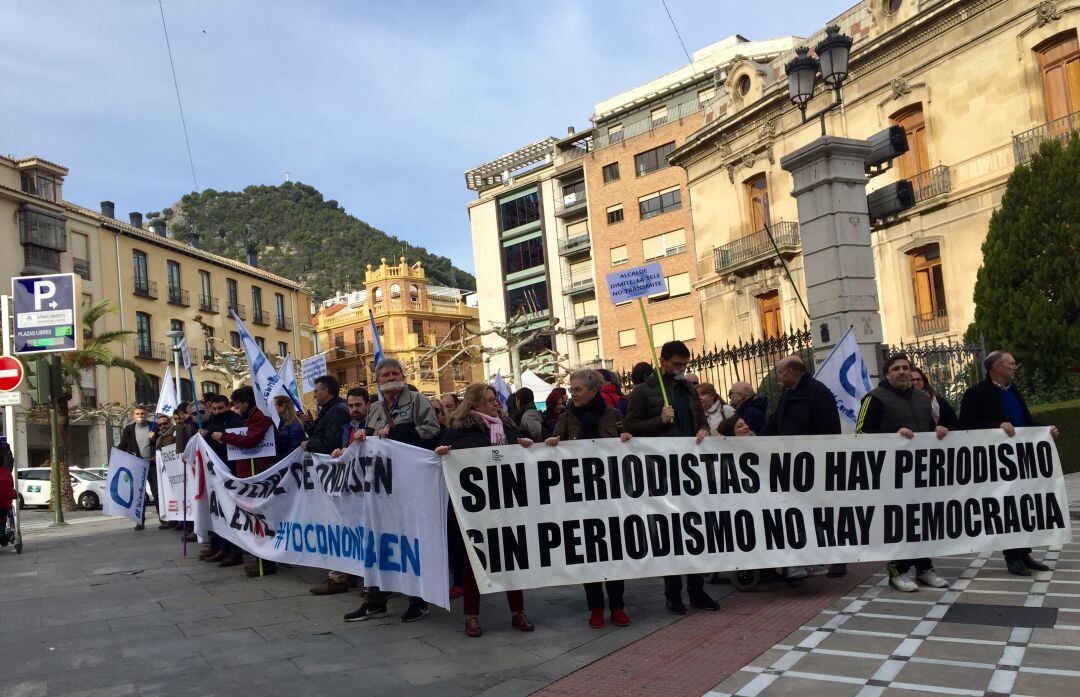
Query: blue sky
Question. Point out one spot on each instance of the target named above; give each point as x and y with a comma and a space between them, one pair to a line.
381, 106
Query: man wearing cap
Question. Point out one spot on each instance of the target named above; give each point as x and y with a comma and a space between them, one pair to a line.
894, 406
996, 403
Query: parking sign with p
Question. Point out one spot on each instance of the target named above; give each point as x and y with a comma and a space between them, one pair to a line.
46, 313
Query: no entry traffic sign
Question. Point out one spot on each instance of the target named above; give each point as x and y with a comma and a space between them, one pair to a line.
11, 373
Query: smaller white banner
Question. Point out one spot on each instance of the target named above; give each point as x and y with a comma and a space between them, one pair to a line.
125, 485
267, 448
171, 481
311, 368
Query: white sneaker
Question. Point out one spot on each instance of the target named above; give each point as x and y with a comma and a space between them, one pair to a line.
904, 583
931, 578
796, 572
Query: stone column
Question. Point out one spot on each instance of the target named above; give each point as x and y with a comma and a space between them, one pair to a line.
841, 286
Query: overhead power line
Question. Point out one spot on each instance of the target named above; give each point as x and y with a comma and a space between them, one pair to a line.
179, 102
681, 42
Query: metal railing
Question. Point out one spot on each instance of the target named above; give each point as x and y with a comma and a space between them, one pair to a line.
179, 296
578, 285
571, 203
240, 310
572, 154
932, 322
569, 245
588, 323
756, 246
41, 257
931, 183
260, 316
283, 322
208, 303
1026, 144
145, 288
81, 267
152, 350
647, 124
952, 366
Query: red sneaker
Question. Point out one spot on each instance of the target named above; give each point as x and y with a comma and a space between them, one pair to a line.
456, 592
596, 618
619, 618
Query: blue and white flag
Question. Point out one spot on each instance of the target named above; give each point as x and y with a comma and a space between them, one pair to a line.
264, 378
288, 376
501, 388
125, 485
185, 354
844, 373
167, 398
376, 344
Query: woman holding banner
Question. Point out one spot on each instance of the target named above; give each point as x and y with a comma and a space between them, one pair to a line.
476, 424
590, 416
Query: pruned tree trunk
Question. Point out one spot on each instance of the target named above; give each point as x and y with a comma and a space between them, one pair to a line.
63, 428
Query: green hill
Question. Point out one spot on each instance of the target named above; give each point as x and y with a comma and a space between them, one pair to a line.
299, 235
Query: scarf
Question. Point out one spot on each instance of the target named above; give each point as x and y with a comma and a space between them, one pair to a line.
610, 395
494, 427
589, 416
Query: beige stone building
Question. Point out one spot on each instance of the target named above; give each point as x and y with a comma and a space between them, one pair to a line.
419, 324
156, 284
976, 84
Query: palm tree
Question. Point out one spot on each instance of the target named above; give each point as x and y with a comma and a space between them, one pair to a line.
96, 352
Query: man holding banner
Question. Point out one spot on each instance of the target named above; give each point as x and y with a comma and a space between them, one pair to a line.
648, 415
895, 406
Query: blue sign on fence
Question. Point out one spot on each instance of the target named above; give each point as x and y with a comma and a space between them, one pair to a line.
641, 282
46, 313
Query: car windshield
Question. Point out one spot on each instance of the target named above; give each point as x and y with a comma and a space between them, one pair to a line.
86, 476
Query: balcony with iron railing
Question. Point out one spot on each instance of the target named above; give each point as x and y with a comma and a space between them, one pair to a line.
757, 247
40, 259
571, 205
89, 397
574, 286
145, 288
260, 316
208, 303
1026, 144
930, 184
81, 267
150, 350
240, 310
936, 322
283, 322
586, 324
574, 245
179, 296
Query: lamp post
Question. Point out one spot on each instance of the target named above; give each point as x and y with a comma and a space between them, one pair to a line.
832, 54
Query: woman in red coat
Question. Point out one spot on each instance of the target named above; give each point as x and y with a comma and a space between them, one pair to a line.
7, 498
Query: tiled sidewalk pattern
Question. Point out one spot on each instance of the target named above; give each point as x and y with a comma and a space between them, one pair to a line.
880, 642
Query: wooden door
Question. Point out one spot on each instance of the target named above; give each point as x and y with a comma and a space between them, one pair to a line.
769, 311
916, 159
1059, 62
757, 190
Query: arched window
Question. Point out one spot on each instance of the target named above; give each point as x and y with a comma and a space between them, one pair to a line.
414, 292
395, 291
1059, 63
378, 294
917, 158
757, 191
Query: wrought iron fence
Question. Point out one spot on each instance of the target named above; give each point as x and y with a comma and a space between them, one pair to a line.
1026, 144
931, 183
752, 361
952, 366
755, 245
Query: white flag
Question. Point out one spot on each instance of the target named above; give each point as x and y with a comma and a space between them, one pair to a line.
167, 398
844, 373
288, 376
265, 379
501, 388
185, 355
125, 485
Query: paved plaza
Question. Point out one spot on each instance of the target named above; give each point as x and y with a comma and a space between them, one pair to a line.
96, 610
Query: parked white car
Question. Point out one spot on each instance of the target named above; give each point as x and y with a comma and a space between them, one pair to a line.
35, 489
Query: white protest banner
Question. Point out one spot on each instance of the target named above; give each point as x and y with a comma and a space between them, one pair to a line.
640, 282
311, 368
597, 510
378, 511
125, 485
267, 447
844, 373
170, 477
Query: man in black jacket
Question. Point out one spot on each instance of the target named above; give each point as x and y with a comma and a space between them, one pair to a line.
806, 408
647, 415
996, 403
748, 406
895, 406
325, 433
219, 419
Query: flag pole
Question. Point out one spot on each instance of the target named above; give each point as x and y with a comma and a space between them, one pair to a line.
652, 347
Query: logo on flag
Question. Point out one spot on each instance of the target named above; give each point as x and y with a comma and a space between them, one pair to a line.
501, 388
167, 398
844, 373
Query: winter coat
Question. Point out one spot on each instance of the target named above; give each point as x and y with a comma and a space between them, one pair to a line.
257, 424
887, 410
476, 436
289, 437
982, 407
413, 417
7, 489
610, 426
325, 433
752, 411
646, 402
807, 410
129, 443
532, 423
221, 422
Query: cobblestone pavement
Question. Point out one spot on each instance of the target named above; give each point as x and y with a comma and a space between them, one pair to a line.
989, 634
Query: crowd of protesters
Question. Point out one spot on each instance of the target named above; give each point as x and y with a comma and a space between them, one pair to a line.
664, 402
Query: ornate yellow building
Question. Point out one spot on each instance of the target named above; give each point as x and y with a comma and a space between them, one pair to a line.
424, 326
977, 85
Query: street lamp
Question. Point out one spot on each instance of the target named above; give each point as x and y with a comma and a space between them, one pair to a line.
832, 53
